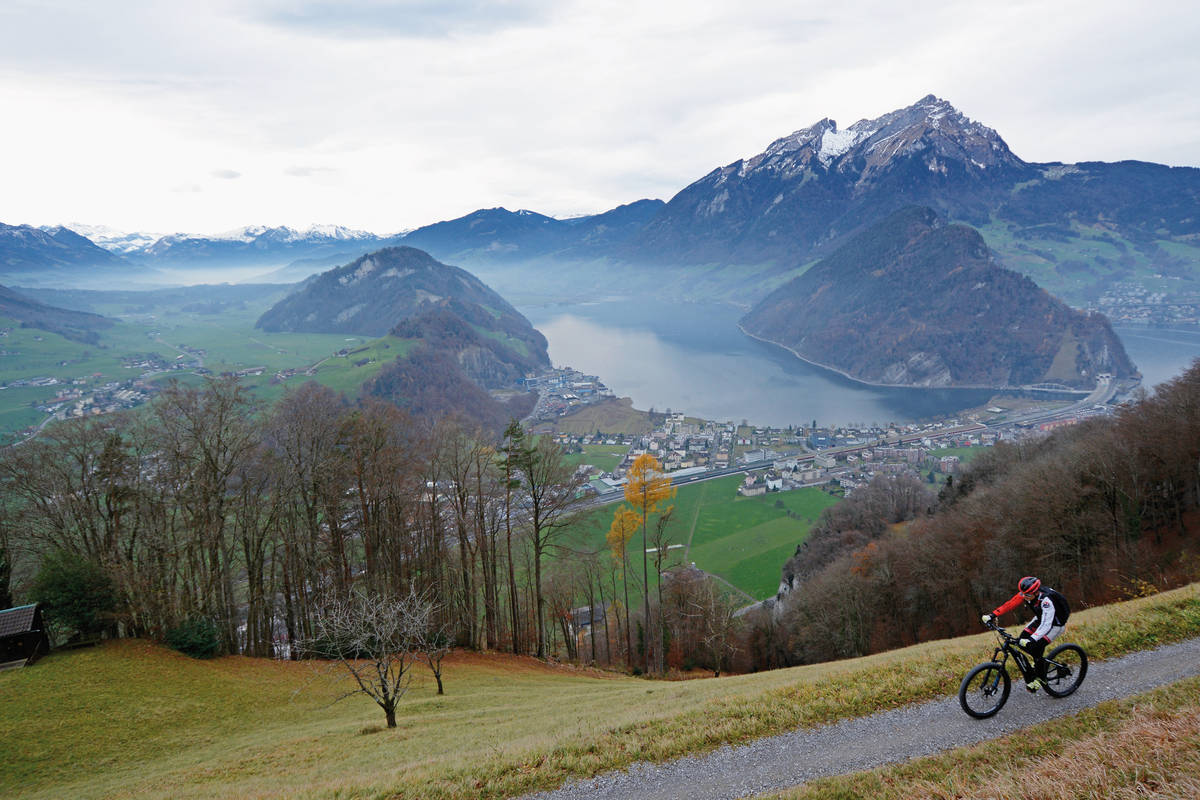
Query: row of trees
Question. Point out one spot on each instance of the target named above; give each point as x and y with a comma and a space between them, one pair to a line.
212, 513
255, 519
1098, 510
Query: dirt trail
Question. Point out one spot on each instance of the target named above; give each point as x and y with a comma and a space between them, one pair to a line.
790, 759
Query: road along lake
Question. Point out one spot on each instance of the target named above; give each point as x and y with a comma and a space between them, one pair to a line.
692, 357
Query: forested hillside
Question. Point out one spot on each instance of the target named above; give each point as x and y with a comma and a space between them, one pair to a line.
915, 301
1100, 511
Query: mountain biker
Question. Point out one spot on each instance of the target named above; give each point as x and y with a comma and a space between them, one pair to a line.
1051, 611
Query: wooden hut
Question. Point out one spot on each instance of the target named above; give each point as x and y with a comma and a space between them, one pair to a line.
23, 638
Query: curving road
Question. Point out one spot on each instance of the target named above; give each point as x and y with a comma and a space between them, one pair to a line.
779, 762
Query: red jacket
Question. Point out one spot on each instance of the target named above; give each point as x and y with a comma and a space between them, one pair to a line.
1049, 606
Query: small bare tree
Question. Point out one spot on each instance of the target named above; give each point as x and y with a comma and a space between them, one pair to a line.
377, 640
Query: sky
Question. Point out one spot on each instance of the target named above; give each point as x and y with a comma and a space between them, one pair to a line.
386, 115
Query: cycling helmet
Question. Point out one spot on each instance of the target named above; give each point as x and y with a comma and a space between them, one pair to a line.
1029, 586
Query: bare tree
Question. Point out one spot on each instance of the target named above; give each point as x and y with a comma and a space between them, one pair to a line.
544, 501
377, 640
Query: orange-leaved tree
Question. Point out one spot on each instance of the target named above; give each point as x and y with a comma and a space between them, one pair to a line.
624, 525
646, 489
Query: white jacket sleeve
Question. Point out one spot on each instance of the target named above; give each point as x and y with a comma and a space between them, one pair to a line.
1046, 621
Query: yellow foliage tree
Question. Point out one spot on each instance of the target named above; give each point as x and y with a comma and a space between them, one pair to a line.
646, 489
624, 525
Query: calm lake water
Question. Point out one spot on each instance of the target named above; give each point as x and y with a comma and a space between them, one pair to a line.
692, 357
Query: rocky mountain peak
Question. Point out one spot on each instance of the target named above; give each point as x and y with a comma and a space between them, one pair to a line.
931, 128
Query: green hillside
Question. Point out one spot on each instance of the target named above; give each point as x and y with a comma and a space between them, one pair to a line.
744, 540
133, 720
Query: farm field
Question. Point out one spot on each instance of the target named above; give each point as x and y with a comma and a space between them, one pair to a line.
744, 540
228, 340
141, 721
604, 457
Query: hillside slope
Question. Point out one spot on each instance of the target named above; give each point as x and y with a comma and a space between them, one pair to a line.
177, 727
78, 326
912, 301
472, 342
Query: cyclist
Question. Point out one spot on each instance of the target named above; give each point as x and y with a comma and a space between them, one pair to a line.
1051, 611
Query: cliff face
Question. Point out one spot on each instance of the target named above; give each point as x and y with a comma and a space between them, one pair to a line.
913, 301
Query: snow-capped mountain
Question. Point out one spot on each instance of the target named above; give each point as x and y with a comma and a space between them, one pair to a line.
260, 244
931, 128
821, 182
26, 249
111, 239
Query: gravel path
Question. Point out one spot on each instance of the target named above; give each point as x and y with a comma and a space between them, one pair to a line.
790, 759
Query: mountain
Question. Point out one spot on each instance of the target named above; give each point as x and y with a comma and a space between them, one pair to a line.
26, 250
257, 244
469, 350
497, 234
914, 301
811, 187
75, 325
375, 292
747, 227
113, 240
1074, 228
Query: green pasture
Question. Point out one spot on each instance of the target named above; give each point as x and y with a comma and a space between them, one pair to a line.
604, 457
229, 341
744, 540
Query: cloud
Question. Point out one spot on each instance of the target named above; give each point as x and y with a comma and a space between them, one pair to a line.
403, 18
307, 172
226, 174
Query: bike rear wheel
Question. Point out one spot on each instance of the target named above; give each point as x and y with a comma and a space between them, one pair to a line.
985, 690
1065, 669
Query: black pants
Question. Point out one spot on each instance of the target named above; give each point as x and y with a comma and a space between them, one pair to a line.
1037, 649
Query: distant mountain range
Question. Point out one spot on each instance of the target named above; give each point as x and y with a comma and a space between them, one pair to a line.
25, 249
748, 227
913, 301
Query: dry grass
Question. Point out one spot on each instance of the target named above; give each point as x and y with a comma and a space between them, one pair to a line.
1147, 746
133, 720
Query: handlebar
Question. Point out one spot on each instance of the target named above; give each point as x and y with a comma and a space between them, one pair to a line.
992, 626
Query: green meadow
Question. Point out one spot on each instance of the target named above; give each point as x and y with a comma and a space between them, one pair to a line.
744, 540
228, 339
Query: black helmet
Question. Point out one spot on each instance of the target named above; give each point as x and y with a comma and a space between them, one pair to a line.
1029, 586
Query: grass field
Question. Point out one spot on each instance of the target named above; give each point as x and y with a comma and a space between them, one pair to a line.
229, 340
133, 720
604, 457
744, 540
615, 415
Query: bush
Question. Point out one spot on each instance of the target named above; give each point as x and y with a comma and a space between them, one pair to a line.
76, 594
196, 637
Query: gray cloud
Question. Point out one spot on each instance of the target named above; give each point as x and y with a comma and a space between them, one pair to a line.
404, 18
226, 174
307, 172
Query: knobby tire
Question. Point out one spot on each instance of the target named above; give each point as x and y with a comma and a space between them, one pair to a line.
984, 690
1073, 658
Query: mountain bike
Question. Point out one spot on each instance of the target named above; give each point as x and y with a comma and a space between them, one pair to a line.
984, 690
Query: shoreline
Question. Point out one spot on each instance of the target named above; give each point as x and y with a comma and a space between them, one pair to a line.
874, 385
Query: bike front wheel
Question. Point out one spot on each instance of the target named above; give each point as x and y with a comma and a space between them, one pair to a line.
985, 690
1066, 667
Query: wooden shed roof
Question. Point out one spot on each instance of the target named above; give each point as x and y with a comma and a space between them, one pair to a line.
17, 620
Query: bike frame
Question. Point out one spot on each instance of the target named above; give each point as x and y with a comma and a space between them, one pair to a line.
1008, 647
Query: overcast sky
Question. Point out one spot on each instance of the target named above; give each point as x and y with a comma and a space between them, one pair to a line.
391, 114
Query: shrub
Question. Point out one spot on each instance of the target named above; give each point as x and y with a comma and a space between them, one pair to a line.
196, 637
76, 593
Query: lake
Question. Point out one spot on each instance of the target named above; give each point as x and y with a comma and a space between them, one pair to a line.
692, 357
